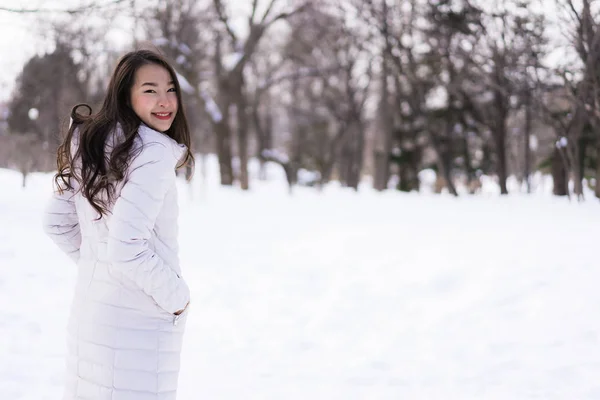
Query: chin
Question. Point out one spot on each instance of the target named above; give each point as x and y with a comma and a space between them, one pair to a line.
160, 128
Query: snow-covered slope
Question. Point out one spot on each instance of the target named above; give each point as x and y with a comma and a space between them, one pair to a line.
340, 295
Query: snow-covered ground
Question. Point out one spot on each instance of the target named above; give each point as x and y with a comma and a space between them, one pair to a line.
340, 295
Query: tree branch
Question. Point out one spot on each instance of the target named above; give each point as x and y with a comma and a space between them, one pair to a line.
267, 12
254, 6
299, 74
575, 13
78, 10
365, 91
286, 15
223, 18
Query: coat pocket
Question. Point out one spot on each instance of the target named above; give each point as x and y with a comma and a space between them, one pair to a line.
182, 316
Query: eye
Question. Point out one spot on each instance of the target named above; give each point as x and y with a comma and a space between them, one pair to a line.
172, 90
149, 91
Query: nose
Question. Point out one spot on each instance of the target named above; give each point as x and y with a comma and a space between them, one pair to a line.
164, 101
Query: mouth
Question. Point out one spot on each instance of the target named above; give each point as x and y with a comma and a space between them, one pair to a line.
164, 116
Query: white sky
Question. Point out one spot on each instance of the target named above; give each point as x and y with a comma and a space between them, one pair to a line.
20, 39
20, 36
17, 44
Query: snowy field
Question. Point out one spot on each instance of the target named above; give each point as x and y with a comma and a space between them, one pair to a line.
340, 296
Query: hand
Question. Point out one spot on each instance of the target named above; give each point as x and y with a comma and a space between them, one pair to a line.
182, 310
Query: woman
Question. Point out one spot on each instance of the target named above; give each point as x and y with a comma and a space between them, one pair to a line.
115, 214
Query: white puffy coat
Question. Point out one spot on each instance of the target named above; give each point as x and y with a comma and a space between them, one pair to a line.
124, 341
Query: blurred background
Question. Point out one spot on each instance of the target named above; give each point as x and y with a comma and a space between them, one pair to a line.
399, 268
456, 96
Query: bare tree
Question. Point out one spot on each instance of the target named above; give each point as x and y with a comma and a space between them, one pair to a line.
489, 74
585, 93
94, 6
410, 49
25, 153
47, 88
231, 80
271, 76
323, 40
176, 29
402, 87
262, 109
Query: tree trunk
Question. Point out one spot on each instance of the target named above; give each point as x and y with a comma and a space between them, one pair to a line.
442, 148
528, 122
349, 157
583, 143
326, 171
381, 170
222, 128
268, 135
499, 133
573, 150
383, 140
409, 170
332, 153
559, 174
263, 128
597, 188
444, 167
224, 150
242, 128
344, 163
297, 146
357, 162
576, 167
501, 158
471, 176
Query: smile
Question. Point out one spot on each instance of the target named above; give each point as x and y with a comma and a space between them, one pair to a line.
163, 115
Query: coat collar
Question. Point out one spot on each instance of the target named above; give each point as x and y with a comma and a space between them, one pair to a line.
148, 134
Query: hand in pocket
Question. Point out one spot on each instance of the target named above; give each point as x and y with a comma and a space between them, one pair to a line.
183, 309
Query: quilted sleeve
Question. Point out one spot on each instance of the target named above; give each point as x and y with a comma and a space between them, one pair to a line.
130, 227
61, 224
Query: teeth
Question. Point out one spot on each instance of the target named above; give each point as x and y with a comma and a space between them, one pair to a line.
162, 114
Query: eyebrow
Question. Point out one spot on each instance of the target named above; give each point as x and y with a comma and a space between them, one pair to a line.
155, 84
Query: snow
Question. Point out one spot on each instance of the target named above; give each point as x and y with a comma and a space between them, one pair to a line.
339, 295
276, 155
184, 49
437, 98
230, 61
308, 178
211, 107
33, 114
161, 41
185, 85
180, 59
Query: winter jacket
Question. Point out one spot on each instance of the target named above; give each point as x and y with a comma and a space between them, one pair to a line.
124, 341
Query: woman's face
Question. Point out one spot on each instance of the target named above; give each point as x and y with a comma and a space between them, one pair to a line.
153, 97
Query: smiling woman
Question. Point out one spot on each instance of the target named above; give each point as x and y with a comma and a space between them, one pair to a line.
115, 214
154, 97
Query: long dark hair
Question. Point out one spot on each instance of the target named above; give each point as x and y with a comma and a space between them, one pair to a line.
89, 165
